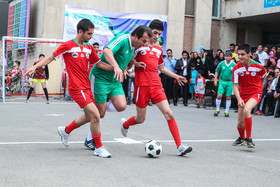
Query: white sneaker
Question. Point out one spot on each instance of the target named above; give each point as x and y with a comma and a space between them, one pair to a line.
124, 131
184, 149
48, 102
102, 152
64, 135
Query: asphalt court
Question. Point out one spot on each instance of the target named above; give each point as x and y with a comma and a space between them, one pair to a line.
32, 154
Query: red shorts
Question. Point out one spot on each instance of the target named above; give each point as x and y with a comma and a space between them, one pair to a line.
199, 95
82, 97
257, 97
144, 93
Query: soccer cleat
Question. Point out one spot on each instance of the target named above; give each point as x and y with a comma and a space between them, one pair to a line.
239, 141
48, 102
90, 144
250, 143
204, 106
216, 113
124, 131
64, 135
226, 114
102, 152
198, 106
184, 149
257, 112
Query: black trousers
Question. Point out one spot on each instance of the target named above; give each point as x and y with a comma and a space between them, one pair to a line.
270, 101
185, 89
168, 83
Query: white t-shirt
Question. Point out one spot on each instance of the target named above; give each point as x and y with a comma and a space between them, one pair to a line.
199, 84
262, 57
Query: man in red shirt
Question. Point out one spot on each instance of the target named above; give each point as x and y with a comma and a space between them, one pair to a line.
148, 86
77, 54
248, 76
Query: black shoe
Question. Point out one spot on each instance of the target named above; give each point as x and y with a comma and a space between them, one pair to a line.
204, 106
239, 141
185, 104
198, 106
90, 144
276, 116
268, 114
250, 143
128, 103
175, 103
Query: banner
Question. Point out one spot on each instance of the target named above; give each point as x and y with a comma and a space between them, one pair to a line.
108, 24
271, 3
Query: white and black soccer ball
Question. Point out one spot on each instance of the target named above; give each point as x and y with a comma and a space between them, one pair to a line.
153, 148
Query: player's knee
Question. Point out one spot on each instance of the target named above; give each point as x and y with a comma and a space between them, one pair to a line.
140, 120
120, 107
240, 123
246, 111
168, 115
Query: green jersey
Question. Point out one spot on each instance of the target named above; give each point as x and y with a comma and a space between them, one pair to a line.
123, 53
225, 70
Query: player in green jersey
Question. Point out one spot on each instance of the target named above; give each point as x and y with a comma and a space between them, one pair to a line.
224, 71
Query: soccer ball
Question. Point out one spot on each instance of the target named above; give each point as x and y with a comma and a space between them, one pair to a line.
153, 148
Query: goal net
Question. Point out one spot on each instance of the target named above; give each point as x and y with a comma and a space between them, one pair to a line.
20, 53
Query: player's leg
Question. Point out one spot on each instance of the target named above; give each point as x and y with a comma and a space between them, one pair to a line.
241, 128
44, 87
197, 101
228, 90
248, 107
221, 91
203, 101
34, 82
173, 127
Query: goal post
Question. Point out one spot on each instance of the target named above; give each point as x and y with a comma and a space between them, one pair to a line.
26, 51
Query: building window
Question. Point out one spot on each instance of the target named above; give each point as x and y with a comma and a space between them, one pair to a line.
216, 8
189, 7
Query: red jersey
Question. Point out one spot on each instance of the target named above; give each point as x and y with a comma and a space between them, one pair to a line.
152, 57
248, 78
14, 72
77, 60
40, 73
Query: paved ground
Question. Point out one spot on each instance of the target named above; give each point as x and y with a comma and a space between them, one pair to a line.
32, 154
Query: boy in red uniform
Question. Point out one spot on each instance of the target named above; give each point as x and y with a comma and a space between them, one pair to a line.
77, 54
247, 80
148, 86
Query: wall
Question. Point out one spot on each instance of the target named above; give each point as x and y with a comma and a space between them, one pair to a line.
215, 34
188, 33
228, 31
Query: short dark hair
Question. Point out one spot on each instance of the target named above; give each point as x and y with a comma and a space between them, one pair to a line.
84, 25
156, 24
139, 31
245, 47
169, 50
41, 55
17, 62
200, 71
232, 44
260, 44
219, 50
186, 52
95, 44
272, 74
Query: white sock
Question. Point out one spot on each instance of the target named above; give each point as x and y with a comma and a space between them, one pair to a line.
110, 107
218, 103
228, 103
89, 136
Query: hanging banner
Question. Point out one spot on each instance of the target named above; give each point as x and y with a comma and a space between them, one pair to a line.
271, 3
108, 24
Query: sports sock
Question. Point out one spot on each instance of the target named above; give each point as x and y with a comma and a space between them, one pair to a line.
174, 131
71, 127
218, 103
241, 131
228, 103
248, 126
29, 92
97, 140
46, 93
110, 107
89, 137
131, 121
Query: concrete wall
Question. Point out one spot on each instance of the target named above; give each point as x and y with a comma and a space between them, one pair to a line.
188, 33
227, 34
246, 8
215, 34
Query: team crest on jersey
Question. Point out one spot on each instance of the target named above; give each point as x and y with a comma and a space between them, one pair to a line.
82, 55
241, 73
75, 55
247, 72
253, 73
143, 52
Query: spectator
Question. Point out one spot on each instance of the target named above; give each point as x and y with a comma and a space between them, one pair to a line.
233, 51
192, 81
183, 69
15, 75
131, 79
218, 53
255, 57
200, 89
219, 59
272, 55
209, 62
271, 93
277, 57
265, 49
191, 55
96, 47
202, 55
199, 66
195, 56
263, 56
168, 82
277, 97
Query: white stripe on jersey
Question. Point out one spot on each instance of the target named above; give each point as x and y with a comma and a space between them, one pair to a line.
235, 80
117, 41
140, 49
157, 51
254, 69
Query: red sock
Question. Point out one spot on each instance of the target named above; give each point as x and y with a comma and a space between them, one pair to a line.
248, 126
97, 140
71, 127
174, 131
130, 122
241, 131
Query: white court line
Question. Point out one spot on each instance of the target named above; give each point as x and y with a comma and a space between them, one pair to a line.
140, 141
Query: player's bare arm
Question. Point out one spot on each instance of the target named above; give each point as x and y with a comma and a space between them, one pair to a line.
104, 66
237, 95
215, 80
43, 62
109, 56
129, 66
181, 80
